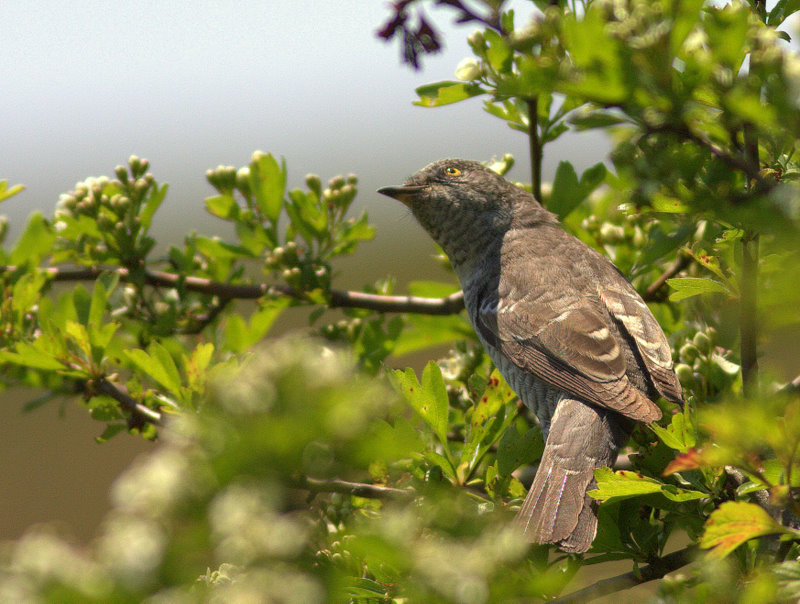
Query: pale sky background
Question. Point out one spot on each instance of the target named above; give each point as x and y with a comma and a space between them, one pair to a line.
193, 84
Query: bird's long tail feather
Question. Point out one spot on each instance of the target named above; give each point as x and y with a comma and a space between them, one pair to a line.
557, 509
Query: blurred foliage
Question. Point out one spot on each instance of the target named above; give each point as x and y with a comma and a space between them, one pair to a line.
302, 470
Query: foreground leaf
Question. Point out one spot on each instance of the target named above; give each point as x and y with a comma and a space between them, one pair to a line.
733, 523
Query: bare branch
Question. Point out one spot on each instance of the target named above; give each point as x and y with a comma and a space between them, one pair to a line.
370, 491
681, 262
655, 570
793, 386
448, 305
136, 409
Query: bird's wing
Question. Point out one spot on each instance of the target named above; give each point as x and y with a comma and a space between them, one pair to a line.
634, 318
564, 342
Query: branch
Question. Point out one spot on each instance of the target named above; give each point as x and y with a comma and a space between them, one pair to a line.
370, 491
735, 161
535, 146
139, 413
656, 570
748, 304
793, 386
449, 305
681, 262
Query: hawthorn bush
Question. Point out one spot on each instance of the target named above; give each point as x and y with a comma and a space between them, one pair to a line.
302, 469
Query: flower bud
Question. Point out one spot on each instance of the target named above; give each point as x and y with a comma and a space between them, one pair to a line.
105, 222
684, 373
314, 183
611, 233
476, 40
467, 70
688, 353
122, 173
703, 342
337, 182
243, 180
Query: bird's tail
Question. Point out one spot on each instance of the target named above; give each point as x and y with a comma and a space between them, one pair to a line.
557, 509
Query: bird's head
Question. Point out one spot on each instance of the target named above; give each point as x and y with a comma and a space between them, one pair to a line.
462, 204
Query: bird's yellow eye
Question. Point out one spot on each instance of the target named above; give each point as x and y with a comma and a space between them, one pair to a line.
451, 171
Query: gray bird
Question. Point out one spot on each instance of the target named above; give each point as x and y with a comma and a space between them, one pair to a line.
568, 332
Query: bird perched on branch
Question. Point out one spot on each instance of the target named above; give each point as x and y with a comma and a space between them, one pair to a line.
569, 333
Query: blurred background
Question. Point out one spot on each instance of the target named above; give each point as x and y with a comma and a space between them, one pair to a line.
190, 85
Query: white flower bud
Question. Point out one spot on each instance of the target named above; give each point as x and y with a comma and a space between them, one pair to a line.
468, 70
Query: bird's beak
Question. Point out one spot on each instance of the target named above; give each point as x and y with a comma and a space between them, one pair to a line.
404, 194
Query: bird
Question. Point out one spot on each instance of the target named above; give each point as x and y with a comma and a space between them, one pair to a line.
565, 328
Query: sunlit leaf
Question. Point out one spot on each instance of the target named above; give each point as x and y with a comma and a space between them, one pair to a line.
733, 523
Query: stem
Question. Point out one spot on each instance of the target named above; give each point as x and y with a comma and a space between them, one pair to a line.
535, 148
748, 328
680, 263
359, 489
656, 570
139, 413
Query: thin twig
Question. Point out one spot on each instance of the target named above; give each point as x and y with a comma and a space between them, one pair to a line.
681, 262
656, 570
359, 489
135, 408
793, 386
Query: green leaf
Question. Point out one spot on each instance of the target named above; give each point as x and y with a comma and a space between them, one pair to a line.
268, 182
82, 301
111, 431
445, 93
392, 442
782, 10
32, 356
223, 206
241, 335
496, 394
34, 243
215, 248
5, 192
498, 53
78, 334
686, 287
568, 191
623, 484
679, 435
516, 449
428, 398
157, 195
97, 307
595, 118
158, 364
733, 523
196, 366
